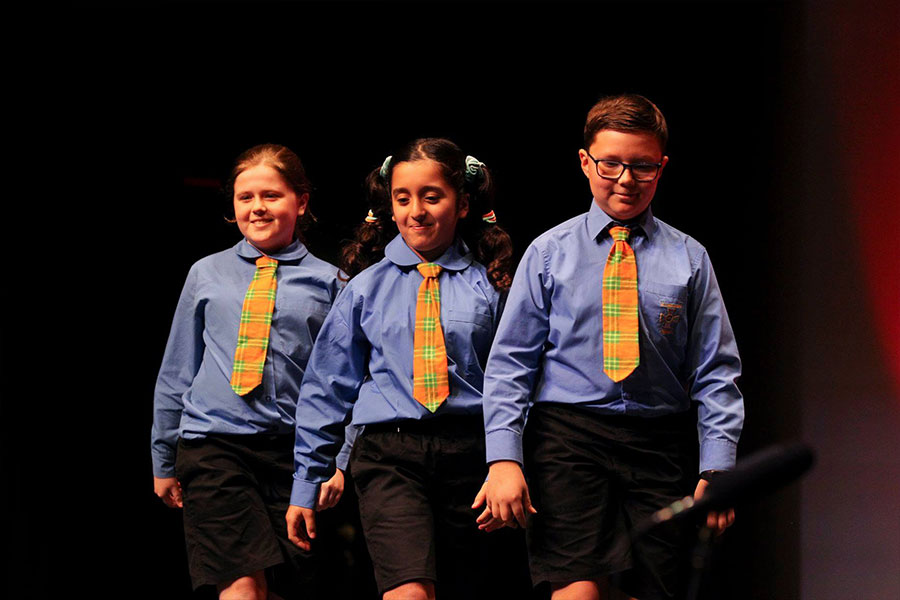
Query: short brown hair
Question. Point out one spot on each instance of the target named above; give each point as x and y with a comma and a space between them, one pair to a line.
625, 112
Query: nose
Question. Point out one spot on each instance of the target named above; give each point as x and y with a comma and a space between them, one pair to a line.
417, 209
626, 178
257, 205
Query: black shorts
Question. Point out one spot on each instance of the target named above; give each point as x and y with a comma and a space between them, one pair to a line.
592, 479
416, 481
236, 492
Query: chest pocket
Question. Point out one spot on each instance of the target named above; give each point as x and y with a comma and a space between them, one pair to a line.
664, 312
468, 337
297, 323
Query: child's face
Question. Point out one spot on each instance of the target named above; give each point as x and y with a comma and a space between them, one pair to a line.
426, 208
624, 198
266, 208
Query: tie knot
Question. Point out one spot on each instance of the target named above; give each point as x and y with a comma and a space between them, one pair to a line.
619, 234
265, 261
429, 269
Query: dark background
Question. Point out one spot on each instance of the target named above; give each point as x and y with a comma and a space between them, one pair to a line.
135, 113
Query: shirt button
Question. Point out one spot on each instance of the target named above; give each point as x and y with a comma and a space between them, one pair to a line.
268, 398
626, 395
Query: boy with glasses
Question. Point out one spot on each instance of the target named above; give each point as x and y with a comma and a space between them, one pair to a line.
617, 346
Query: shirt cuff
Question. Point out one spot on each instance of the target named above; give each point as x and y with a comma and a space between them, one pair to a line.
163, 467
343, 458
304, 494
717, 455
503, 444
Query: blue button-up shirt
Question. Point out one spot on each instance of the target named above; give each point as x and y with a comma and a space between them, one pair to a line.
363, 358
548, 346
193, 396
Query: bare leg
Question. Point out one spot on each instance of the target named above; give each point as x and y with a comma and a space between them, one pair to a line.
581, 590
411, 590
249, 587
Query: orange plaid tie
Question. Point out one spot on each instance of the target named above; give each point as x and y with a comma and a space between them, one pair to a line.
253, 333
431, 385
621, 353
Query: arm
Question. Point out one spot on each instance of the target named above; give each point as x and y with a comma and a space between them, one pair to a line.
331, 491
714, 367
509, 380
181, 361
336, 370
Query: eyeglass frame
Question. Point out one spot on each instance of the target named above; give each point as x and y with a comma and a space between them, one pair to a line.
624, 166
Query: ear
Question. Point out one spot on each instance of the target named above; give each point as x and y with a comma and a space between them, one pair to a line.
462, 208
664, 161
586, 163
302, 204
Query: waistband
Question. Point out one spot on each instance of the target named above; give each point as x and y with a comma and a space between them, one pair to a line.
467, 424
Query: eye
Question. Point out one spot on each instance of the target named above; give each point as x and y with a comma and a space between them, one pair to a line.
244, 197
610, 164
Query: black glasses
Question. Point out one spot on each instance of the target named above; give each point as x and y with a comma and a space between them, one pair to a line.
613, 169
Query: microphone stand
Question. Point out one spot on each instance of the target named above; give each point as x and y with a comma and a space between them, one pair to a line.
702, 550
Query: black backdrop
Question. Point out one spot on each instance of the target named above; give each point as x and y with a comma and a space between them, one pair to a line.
146, 106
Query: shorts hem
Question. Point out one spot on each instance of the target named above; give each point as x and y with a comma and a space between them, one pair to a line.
242, 571
405, 578
558, 577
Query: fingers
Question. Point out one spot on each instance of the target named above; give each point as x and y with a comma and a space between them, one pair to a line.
296, 528
328, 496
175, 493
720, 521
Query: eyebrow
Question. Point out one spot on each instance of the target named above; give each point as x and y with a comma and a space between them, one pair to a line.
423, 189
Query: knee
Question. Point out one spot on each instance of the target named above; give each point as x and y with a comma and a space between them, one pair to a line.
580, 590
250, 587
413, 590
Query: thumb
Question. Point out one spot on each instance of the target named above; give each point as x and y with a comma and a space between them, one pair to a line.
479, 498
310, 518
526, 501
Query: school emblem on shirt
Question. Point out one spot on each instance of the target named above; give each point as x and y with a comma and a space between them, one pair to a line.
669, 316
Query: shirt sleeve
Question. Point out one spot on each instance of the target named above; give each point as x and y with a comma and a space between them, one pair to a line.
181, 361
342, 461
515, 357
336, 370
714, 367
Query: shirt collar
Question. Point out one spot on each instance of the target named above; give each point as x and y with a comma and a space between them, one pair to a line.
293, 251
598, 222
456, 258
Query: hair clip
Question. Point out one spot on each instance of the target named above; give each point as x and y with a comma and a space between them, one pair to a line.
489, 217
473, 169
385, 167
371, 218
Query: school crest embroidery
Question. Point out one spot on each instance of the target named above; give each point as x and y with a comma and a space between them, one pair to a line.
669, 315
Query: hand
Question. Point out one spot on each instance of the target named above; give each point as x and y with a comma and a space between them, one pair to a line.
301, 526
506, 495
485, 520
717, 521
169, 491
331, 491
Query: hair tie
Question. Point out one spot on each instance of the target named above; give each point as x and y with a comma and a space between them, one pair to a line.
474, 168
385, 167
371, 218
489, 217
